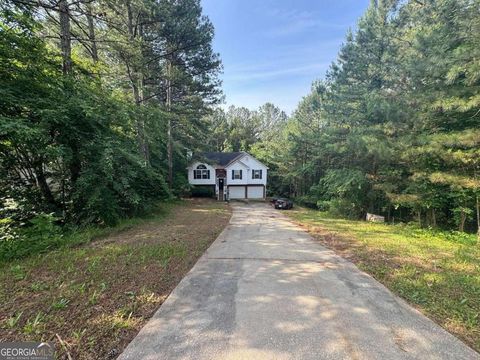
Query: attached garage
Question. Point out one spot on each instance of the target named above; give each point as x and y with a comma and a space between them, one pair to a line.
255, 192
246, 192
236, 192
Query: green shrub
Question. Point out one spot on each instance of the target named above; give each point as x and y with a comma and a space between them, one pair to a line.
39, 236
203, 191
323, 205
349, 191
345, 208
307, 201
182, 187
117, 185
7, 230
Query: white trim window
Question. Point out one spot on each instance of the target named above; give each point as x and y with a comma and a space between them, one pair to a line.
237, 174
257, 174
201, 172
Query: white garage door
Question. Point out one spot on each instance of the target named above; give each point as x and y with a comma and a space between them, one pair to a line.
255, 192
236, 192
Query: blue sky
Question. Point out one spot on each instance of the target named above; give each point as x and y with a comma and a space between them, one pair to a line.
272, 50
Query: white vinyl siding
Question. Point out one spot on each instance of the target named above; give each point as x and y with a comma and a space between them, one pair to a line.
245, 170
237, 174
257, 174
201, 174
250, 171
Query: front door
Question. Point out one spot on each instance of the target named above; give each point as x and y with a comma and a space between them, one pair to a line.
220, 188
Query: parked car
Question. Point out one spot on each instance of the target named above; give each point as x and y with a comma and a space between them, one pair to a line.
282, 203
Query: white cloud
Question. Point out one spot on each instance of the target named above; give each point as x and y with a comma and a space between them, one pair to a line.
274, 71
292, 21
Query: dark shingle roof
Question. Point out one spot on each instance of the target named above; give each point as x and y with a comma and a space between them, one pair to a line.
218, 158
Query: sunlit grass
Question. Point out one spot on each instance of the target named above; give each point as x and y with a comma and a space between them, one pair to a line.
437, 271
102, 284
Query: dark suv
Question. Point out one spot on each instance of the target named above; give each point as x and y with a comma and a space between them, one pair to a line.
282, 203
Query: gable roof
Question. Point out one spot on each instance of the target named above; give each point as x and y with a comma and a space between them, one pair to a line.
239, 159
219, 158
222, 159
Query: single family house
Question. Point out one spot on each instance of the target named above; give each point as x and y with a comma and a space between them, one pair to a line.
232, 175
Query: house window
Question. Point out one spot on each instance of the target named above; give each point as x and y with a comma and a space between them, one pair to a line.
256, 174
201, 172
237, 174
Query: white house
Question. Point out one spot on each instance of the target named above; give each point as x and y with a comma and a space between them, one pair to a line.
234, 175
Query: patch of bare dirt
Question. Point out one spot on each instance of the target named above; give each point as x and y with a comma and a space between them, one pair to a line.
92, 300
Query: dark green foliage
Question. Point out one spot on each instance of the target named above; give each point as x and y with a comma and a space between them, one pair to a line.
393, 129
115, 186
40, 235
78, 147
348, 190
241, 129
83, 132
307, 201
260, 132
203, 191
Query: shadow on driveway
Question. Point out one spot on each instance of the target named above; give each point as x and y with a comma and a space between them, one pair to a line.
266, 290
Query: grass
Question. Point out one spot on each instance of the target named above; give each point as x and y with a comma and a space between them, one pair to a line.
96, 291
44, 236
436, 271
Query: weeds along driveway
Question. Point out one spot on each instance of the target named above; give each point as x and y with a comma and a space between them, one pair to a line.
266, 290
437, 272
97, 296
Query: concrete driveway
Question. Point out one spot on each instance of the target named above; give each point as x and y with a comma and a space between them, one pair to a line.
266, 290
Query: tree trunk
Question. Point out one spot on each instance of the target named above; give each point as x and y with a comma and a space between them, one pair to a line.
478, 216
169, 125
434, 218
65, 36
477, 206
75, 163
137, 87
140, 124
463, 218
91, 32
130, 20
170, 152
44, 187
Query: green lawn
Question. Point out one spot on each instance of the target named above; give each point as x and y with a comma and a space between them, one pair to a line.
436, 271
93, 293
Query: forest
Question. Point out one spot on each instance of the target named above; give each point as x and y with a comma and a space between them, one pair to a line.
103, 101
393, 128
100, 101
